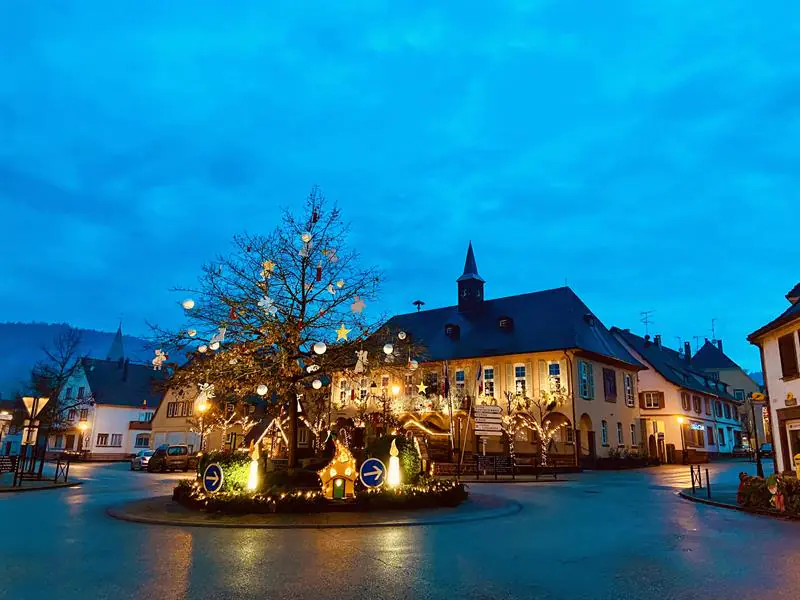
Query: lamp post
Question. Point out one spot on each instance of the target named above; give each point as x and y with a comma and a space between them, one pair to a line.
202, 408
683, 443
760, 397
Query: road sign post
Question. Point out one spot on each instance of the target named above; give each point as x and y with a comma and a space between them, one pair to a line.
372, 472
213, 478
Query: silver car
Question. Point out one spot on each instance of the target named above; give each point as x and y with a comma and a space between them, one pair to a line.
139, 462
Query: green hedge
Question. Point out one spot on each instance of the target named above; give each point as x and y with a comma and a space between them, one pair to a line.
235, 468
777, 494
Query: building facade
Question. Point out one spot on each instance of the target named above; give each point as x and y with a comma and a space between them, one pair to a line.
778, 342
510, 352
711, 359
686, 414
114, 402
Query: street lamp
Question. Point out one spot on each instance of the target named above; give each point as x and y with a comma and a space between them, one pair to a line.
683, 443
202, 408
758, 396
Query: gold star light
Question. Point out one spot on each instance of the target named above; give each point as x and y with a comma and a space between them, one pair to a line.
422, 388
341, 333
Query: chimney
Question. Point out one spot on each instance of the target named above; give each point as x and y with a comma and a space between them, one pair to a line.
687, 351
125, 369
646, 340
658, 341
719, 345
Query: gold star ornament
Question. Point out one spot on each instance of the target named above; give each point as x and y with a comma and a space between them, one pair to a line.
341, 333
422, 388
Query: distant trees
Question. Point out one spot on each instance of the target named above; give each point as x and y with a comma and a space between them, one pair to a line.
50, 375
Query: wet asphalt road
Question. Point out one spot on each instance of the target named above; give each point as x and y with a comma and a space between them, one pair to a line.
601, 535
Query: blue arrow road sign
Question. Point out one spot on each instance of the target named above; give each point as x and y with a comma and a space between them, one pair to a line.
373, 472
212, 478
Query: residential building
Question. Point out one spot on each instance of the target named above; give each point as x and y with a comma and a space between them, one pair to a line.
778, 342
687, 415
712, 360
523, 345
114, 401
12, 414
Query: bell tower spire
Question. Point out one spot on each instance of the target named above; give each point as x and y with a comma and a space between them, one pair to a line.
470, 284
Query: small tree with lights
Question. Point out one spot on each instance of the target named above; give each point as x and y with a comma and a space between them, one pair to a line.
279, 312
539, 418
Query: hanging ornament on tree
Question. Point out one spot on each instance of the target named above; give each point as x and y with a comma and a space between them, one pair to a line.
361, 361
268, 306
192, 332
159, 359
340, 283
320, 347
261, 390
306, 237
388, 349
206, 392
214, 345
341, 333
331, 291
319, 271
358, 305
202, 348
267, 269
312, 368
401, 335
188, 304
232, 314
217, 338
413, 365
316, 384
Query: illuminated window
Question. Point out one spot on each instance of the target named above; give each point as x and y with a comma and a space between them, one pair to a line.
554, 373
385, 385
586, 375
651, 399
519, 379
633, 434
102, 439
343, 391
628, 383
363, 388
488, 381
460, 382
409, 385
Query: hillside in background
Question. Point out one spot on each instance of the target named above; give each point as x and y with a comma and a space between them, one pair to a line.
23, 343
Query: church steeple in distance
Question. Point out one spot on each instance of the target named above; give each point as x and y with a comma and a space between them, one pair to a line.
116, 351
470, 284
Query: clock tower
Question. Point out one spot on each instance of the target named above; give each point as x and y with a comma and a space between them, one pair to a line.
470, 285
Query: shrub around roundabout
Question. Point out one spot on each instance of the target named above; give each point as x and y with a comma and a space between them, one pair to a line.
425, 493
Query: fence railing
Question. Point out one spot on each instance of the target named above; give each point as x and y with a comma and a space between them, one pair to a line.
696, 474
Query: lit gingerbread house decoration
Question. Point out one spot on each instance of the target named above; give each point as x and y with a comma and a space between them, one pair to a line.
339, 477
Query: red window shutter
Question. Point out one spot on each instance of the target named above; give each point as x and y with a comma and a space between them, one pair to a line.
661, 400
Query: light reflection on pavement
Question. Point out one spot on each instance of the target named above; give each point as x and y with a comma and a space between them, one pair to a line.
599, 535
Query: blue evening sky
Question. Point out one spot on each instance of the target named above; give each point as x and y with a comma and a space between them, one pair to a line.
646, 152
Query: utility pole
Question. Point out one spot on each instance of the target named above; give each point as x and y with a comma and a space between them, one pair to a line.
713, 331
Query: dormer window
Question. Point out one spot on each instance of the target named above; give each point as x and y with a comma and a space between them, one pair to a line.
505, 323
451, 331
589, 318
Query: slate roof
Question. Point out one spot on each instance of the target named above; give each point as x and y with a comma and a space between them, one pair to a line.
548, 320
711, 357
787, 316
109, 383
672, 366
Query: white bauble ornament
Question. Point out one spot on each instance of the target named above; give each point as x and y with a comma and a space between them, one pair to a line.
188, 304
316, 384
401, 335
320, 347
214, 345
261, 390
202, 348
306, 237
413, 365
388, 349
192, 332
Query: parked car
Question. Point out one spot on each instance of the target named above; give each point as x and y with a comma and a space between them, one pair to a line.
766, 450
740, 450
171, 458
141, 459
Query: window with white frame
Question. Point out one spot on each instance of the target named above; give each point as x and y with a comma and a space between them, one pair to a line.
686, 401
343, 391
81, 392
102, 439
554, 375
146, 416
739, 395
385, 381
519, 379
627, 380
633, 434
72, 414
585, 372
620, 435
363, 388
460, 382
409, 385
651, 399
302, 437
116, 440
488, 381
568, 434
604, 433
142, 440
